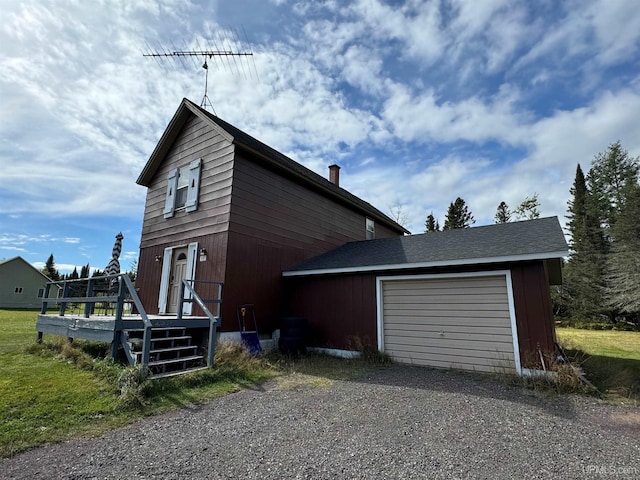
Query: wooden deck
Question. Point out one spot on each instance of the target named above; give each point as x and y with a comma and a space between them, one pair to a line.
101, 328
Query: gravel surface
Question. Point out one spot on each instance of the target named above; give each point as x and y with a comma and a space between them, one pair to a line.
397, 422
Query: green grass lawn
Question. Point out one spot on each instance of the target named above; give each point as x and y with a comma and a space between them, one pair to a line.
610, 359
45, 396
55, 391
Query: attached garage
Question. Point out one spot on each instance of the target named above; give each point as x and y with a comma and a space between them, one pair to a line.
474, 299
463, 321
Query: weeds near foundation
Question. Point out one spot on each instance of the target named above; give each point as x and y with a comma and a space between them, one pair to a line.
369, 351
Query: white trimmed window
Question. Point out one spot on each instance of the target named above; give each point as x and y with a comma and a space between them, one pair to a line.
183, 187
371, 229
18, 290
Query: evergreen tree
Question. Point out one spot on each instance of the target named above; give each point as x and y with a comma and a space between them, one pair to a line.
73, 275
528, 209
584, 272
431, 224
84, 271
611, 174
623, 266
458, 216
503, 215
50, 269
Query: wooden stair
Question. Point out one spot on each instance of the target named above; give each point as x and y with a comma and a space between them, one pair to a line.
172, 351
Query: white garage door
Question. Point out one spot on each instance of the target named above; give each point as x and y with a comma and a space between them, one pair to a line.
448, 322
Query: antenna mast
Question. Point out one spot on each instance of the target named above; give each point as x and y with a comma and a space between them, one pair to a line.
228, 57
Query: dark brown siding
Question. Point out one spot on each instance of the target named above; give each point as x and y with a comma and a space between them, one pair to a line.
534, 312
269, 206
339, 308
148, 282
342, 306
275, 224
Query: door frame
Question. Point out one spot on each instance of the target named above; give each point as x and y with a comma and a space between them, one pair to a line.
167, 261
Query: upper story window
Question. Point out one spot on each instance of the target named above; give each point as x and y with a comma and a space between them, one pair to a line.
371, 229
18, 290
183, 186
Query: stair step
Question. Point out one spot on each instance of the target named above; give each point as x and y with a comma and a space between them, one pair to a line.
175, 360
165, 339
173, 349
138, 353
178, 372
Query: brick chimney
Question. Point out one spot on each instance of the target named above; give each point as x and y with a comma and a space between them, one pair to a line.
334, 175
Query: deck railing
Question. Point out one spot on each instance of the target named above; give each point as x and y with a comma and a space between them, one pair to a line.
114, 291
188, 286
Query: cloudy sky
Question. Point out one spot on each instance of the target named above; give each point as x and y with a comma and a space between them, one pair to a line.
418, 101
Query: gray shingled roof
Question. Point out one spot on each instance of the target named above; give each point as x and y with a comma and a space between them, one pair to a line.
516, 241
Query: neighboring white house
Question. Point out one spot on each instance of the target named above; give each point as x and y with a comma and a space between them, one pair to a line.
21, 284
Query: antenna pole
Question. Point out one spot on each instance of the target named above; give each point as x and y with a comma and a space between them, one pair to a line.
227, 51
205, 100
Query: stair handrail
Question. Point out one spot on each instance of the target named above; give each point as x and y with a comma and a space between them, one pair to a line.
146, 343
214, 321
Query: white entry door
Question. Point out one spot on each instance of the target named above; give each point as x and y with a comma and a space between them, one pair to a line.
178, 273
179, 263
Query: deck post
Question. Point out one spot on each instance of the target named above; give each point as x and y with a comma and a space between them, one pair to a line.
213, 340
65, 294
88, 307
45, 303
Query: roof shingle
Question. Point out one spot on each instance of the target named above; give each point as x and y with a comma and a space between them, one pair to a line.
530, 239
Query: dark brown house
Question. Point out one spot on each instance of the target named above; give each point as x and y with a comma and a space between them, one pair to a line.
223, 206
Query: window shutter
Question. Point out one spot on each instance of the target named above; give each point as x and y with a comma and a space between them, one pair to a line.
194, 185
170, 200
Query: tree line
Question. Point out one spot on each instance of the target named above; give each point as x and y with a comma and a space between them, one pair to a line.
459, 216
52, 272
602, 275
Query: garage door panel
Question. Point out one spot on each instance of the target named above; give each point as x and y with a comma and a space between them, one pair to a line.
444, 283
462, 322
460, 299
452, 347
455, 319
476, 365
429, 359
459, 329
444, 307
504, 336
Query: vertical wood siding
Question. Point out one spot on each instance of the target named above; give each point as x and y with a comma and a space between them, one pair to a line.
342, 306
276, 223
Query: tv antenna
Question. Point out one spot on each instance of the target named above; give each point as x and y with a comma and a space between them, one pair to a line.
227, 52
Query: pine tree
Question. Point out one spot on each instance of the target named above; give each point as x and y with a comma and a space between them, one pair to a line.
84, 271
458, 216
528, 209
584, 272
503, 215
50, 269
431, 224
611, 174
74, 275
623, 266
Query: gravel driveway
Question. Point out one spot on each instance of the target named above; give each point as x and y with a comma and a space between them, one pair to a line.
397, 422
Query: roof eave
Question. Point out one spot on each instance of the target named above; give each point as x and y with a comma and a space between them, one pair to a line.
169, 136
439, 263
